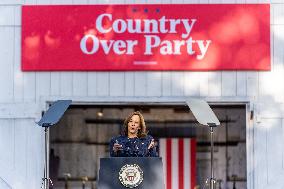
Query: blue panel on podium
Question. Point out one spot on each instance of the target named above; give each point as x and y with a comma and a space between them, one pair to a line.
131, 172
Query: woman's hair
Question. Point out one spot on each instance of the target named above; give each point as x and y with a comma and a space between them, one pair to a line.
142, 132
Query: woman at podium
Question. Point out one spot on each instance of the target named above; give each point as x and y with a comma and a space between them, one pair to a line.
134, 142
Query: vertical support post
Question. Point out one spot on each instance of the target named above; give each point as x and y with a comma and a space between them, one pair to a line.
212, 179
46, 180
46, 176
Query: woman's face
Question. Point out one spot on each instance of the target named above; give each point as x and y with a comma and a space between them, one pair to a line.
134, 125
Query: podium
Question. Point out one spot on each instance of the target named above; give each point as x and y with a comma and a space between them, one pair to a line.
131, 172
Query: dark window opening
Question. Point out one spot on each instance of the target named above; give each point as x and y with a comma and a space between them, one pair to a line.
82, 136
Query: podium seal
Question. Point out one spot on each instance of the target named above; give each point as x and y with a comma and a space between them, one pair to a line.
131, 176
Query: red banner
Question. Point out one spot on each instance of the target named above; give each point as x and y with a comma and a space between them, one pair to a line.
146, 37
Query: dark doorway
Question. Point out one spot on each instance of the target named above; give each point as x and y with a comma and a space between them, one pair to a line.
82, 136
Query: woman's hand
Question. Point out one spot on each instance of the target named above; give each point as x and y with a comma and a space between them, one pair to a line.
116, 147
152, 144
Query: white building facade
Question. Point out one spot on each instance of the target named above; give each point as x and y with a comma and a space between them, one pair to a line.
24, 95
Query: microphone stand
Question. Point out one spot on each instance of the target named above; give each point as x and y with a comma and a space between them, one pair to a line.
205, 116
46, 180
51, 117
212, 179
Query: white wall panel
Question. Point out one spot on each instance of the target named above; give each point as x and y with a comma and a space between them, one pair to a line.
42, 84
92, 1
18, 74
66, 83
140, 82
191, 84
7, 145
252, 84
260, 152
222, 1
177, 84
29, 86
276, 1
241, 1
19, 110
275, 172
272, 14
215, 1
129, 83
11, 2
21, 145
6, 63
166, 83
115, 1
229, 83
177, 1
154, 1
154, 84
28, 154
21, 165
80, 80
18, 15
102, 86
191, 1
274, 148
135, 1
282, 142
103, 1
270, 83
7, 16
80, 2
263, 1
117, 82
203, 83
4, 184
35, 152
92, 83
214, 82
278, 13
55, 83
30, 2
43, 2
203, 1
241, 84
60, 2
